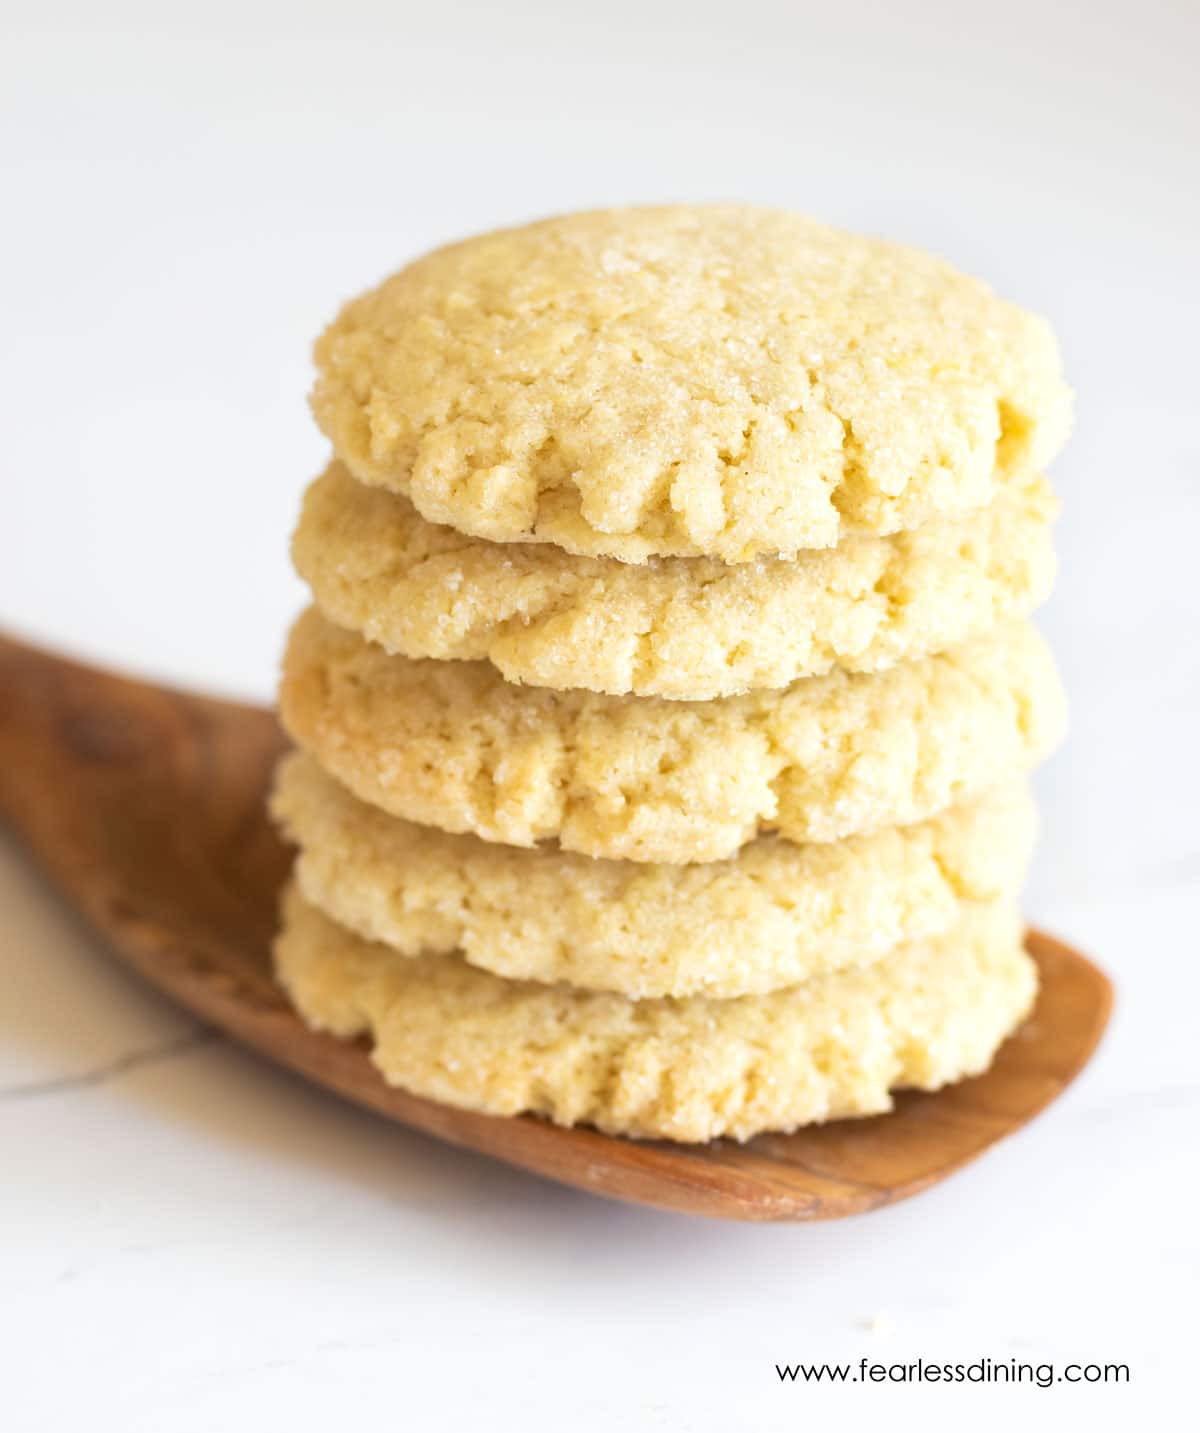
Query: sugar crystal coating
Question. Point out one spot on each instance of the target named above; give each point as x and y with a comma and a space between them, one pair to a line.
711, 379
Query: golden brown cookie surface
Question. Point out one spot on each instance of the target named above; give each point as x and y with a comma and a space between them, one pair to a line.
452, 745
776, 914
694, 380
684, 628
693, 1069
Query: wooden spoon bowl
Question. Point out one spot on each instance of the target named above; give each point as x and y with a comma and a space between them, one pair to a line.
145, 806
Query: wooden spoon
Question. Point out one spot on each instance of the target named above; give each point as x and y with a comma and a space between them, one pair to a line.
145, 806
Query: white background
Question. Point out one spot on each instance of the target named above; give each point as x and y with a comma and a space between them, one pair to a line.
194, 1242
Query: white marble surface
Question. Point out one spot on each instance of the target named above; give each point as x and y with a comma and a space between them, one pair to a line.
192, 1241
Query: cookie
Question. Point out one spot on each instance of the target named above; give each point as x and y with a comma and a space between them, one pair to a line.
690, 1070
778, 914
452, 745
710, 380
684, 628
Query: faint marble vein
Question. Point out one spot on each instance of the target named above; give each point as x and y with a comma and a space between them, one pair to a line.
114, 1069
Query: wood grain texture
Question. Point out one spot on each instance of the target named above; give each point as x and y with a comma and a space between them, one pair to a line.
145, 807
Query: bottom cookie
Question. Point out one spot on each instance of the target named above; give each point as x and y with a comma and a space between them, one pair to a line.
688, 1069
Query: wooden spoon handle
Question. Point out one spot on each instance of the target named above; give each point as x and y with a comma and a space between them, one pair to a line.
73, 740
113, 782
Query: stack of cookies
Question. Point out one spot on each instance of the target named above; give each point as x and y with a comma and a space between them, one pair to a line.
666, 708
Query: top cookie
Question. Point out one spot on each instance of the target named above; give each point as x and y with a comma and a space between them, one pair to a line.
696, 380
